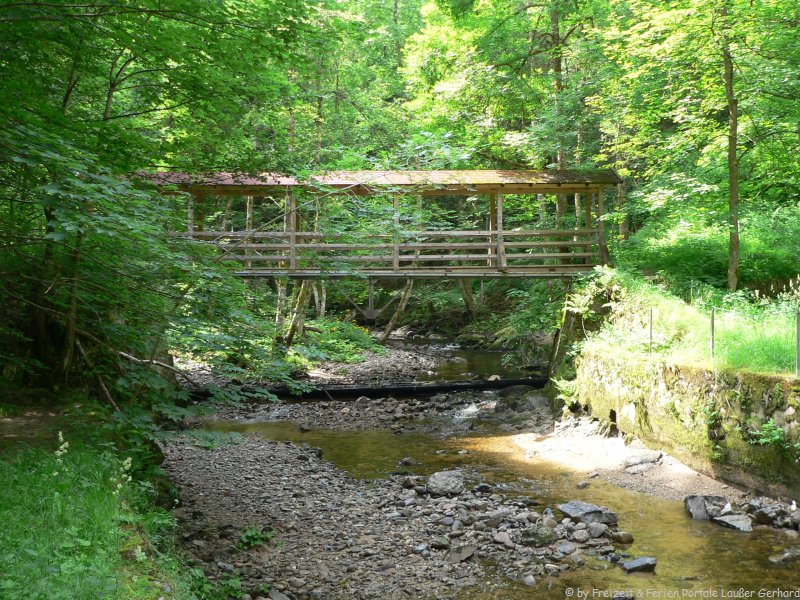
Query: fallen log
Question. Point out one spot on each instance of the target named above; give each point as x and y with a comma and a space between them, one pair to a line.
399, 388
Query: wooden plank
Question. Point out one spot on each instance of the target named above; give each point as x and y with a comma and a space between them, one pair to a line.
521, 255
406, 247
506, 233
422, 257
546, 271
419, 189
221, 235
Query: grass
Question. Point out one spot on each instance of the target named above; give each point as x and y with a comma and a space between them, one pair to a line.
72, 528
751, 333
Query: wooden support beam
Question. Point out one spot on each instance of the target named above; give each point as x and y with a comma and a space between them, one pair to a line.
601, 230
396, 233
588, 221
420, 235
492, 223
248, 222
201, 212
292, 223
412, 247
501, 250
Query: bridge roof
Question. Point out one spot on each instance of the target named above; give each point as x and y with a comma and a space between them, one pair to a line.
463, 182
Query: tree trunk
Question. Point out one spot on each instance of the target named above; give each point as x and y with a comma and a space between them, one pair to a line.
466, 294
401, 307
72, 315
227, 215
320, 298
318, 118
398, 42
733, 159
298, 314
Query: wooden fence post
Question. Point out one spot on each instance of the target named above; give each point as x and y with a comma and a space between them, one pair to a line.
713, 319
797, 346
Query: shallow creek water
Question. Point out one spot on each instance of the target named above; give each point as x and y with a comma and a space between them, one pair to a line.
695, 559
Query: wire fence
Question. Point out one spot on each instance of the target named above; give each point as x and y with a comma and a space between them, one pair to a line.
744, 340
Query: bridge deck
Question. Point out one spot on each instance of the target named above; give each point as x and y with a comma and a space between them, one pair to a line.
389, 251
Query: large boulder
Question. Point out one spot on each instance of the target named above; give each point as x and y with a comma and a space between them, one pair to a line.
588, 513
703, 508
446, 483
739, 522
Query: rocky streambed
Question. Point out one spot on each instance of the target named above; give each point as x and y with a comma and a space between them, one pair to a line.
470, 495
401, 537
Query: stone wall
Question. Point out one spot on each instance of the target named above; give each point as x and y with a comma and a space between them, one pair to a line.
706, 419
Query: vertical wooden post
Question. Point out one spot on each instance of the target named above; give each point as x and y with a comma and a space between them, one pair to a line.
576, 237
396, 234
190, 216
371, 297
542, 209
713, 330
492, 227
201, 212
293, 227
588, 223
501, 248
248, 225
797, 346
601, 230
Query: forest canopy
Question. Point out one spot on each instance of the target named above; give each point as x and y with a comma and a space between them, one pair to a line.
693, 102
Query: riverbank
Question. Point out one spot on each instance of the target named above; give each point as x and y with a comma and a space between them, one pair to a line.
80, 516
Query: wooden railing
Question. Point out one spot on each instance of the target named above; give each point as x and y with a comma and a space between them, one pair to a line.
417, 253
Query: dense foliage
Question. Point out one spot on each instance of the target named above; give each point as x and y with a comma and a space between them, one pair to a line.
696, 103
92, 93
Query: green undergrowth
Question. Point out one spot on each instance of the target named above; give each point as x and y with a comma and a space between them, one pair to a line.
337, 340
693, 253
77, 525
84, 517
752, 333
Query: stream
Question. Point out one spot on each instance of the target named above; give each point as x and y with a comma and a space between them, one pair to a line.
695, 559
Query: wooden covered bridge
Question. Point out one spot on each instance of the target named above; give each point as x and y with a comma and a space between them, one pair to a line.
296, 245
